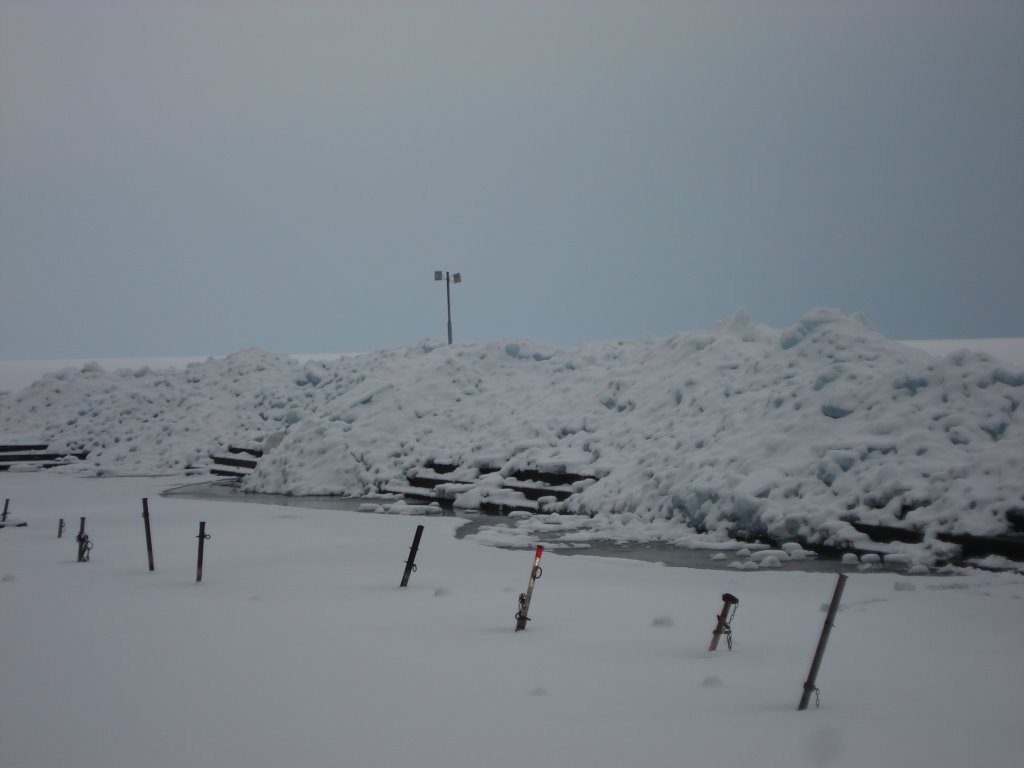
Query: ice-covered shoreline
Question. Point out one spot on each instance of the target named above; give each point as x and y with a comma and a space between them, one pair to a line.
738, 430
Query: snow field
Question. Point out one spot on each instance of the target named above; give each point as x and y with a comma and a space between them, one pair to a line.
299, 649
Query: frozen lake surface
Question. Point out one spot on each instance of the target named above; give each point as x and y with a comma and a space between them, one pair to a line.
299, 648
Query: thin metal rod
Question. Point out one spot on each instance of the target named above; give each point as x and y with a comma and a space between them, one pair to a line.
7, 502
448, 290
83, 542
523, 615
149, 536
203, 536
410, 564
826, 630
60, 528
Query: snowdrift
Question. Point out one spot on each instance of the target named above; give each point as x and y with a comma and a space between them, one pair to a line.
738, 431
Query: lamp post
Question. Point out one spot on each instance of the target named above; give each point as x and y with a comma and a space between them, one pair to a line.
448, 278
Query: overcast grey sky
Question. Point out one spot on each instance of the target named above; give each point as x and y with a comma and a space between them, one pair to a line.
200, 176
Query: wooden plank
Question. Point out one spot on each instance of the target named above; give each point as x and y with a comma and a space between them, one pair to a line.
440, 467
11, 458
40, 465
258, 453
551, 478
885, 534
1009, 546
227, 473
227, 461
535, 492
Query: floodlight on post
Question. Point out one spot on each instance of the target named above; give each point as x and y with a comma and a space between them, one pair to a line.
448, 278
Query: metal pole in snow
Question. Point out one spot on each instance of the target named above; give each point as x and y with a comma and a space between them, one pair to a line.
7, 502
522, 615
60, 528
410, 564
448, 290
826, 630
448, 278
149, 537
203, 536
728, 601
84, 545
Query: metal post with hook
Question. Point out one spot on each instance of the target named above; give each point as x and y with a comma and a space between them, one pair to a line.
522, 615
724, 625
84, 545
410, 564
833, 608
203, 537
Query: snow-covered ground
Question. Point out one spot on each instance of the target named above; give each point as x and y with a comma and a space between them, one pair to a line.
741, 430
299, 649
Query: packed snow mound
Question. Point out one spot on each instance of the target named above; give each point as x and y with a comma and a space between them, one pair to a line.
741, 430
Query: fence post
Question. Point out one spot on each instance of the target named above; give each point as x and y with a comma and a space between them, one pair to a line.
410, 564
149, 537
203, 536
3, 518
826, 630
60, 528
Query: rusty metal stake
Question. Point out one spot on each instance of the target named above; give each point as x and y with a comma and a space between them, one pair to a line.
724, 625
60, 528
826, 630
410, 564
203, 536
149, 537
3, 518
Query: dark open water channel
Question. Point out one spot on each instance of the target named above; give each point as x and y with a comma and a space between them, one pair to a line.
653, 553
